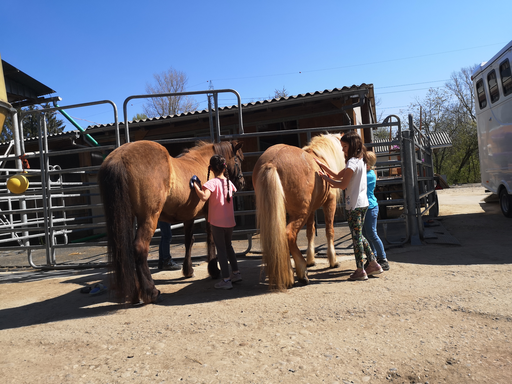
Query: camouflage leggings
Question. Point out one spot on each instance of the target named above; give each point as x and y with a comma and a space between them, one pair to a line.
361, 245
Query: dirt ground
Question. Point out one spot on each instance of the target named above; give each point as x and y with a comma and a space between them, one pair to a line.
441, 314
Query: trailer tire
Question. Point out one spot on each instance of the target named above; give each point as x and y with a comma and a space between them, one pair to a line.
434, 211
506, 203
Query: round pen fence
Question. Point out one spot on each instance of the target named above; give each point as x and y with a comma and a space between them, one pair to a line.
62, 208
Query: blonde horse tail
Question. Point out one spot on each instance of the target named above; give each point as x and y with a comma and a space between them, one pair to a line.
113, 183
271, 218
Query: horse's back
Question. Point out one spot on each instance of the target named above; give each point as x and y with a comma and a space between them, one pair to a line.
294, 165
298, 173
147, 168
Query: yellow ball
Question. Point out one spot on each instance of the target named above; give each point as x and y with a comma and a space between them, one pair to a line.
17, 184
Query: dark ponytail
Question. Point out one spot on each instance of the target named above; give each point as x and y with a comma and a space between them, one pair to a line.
226, 175
218, 166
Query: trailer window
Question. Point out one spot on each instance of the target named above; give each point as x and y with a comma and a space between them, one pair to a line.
494, 91
482, 101
506, 77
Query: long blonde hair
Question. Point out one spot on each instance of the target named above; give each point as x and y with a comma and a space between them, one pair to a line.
371, 159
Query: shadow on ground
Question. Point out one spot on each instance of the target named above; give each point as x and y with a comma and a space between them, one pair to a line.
176, 291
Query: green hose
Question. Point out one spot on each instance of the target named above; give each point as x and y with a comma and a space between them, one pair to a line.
93, 237
72, 121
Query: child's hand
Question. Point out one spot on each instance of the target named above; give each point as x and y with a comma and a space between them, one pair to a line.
319, 162
193, 180
324, 176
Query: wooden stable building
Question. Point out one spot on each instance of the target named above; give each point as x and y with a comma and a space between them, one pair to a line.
345, 106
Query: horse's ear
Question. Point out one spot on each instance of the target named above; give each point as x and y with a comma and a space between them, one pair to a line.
237, 146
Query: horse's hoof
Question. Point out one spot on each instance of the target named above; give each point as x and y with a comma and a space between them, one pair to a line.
311, 264
189, 276
335, 265
158, 298
304, 281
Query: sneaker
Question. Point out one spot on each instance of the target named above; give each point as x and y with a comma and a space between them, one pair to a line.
358, 275
374, 268
98, 289
169, 265
384, 264
223, 284
236, 277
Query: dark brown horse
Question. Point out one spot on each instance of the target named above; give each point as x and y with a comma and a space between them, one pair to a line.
286, 181
140, 184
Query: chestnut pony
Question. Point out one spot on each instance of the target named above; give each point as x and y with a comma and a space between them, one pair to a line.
141, 183
286, 181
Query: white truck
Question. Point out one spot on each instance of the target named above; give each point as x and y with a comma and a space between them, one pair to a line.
492, 82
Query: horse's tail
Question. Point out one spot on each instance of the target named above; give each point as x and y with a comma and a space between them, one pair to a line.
271, 218
113, 182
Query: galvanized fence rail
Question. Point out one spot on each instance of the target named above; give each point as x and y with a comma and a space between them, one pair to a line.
63, 202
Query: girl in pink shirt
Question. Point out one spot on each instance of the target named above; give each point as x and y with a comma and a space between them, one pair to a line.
219, 191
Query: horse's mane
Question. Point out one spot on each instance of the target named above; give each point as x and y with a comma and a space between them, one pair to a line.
198, 145
224, 148
328, 148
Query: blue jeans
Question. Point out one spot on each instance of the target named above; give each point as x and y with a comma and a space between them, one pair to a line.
370, 232
164, 252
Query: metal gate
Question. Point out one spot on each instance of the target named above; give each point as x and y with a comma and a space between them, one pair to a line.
62, 200
406, 182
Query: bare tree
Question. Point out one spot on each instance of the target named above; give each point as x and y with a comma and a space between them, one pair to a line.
278, 93
431, 113
461, 86
170, 81
451, 109
464, 136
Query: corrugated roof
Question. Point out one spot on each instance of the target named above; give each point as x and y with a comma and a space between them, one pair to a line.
437, 140
317, 94
250, 106
440, 140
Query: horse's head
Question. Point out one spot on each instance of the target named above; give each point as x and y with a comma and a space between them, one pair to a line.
234, 165
232, 152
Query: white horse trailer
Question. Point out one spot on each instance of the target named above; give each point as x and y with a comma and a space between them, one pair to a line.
492, 82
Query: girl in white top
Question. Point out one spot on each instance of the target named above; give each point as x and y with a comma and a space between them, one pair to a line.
353, 180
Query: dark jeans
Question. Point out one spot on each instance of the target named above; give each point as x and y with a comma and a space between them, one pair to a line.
225, 251
164, 252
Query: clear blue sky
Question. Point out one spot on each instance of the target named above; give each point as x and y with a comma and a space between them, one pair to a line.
96, 50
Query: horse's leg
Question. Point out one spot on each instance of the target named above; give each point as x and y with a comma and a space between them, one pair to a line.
310, 231
329, 209
213, 268
210, 244
292, 230
188, 271
135, 299
146, 286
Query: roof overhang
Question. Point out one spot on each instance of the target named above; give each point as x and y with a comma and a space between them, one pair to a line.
22, 89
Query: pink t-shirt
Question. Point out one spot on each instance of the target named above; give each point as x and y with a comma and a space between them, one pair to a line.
220, 211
